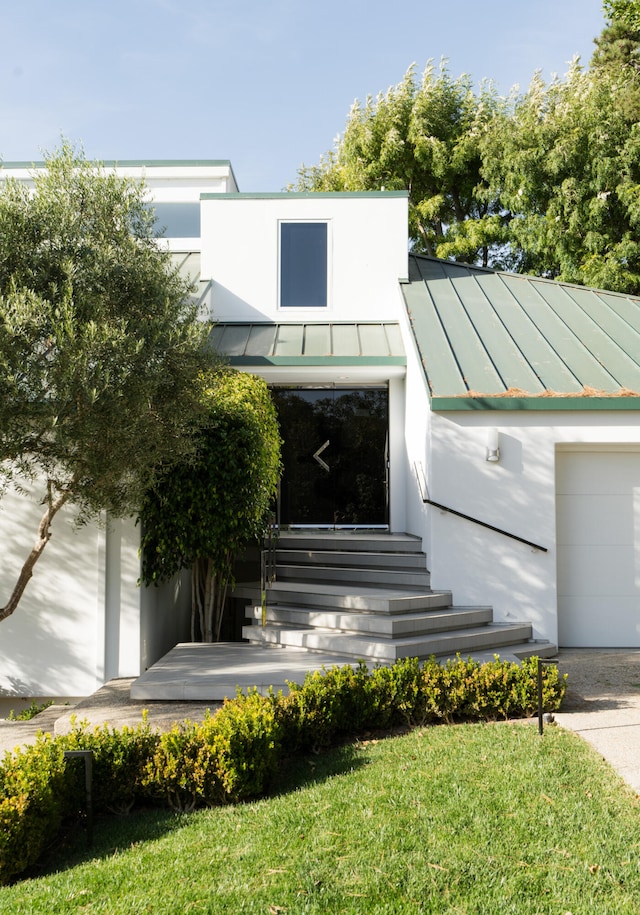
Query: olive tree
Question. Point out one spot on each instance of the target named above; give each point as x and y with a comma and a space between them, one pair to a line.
101, 350
202, 512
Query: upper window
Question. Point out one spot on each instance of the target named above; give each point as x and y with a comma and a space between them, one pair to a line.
177, 220
303, 264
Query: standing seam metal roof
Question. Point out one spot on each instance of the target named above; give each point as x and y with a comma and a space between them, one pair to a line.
309, 342
484, 335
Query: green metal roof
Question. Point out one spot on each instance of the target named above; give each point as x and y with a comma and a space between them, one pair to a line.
309, 343
495, 340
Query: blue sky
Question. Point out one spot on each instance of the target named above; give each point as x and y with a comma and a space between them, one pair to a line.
265, 83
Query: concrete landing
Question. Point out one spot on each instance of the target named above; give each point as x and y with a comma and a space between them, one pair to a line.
212, 672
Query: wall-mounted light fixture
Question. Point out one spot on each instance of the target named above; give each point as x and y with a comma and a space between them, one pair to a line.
493, 446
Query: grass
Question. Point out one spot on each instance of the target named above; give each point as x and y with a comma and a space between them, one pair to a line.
467, 819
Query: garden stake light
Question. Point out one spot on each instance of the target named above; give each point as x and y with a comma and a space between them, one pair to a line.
87, 755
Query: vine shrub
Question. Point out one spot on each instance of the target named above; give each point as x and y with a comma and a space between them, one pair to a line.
203, 512
233, 754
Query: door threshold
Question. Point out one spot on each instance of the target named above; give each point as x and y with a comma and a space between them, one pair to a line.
335, 527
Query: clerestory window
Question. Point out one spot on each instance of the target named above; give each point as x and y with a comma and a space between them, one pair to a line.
303, 264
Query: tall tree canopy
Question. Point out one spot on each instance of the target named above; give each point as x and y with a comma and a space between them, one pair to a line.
546, 182
626, 12
423, 136
565, 163
100, 346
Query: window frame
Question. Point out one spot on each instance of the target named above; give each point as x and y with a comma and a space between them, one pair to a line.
308, 309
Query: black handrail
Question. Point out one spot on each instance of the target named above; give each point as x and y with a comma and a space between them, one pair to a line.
268, 565
491, 527
422, 486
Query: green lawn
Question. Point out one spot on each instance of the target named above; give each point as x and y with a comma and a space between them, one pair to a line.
466, 819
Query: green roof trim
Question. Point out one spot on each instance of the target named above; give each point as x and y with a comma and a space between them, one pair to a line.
317, 360
550, 404
301, 195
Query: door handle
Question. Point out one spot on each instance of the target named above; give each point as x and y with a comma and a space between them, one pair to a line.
316, 456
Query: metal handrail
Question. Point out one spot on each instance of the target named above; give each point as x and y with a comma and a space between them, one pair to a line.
268, 565
491, 527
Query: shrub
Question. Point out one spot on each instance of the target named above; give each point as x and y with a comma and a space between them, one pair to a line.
232, 755
327, 704
229, 757
119, 763
32, 804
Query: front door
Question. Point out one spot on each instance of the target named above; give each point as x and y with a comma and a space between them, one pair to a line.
334, 456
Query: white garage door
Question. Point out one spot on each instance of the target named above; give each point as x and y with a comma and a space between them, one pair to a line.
598, 544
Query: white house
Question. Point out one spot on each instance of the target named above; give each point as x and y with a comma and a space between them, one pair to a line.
494, 416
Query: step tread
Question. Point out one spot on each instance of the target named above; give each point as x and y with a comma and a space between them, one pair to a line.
352, 645
396, 559
346, 597
373, 577
348, 541
393, 625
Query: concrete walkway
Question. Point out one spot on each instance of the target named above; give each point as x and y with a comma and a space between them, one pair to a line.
602, 702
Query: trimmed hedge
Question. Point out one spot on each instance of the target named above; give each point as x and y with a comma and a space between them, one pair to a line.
232, 755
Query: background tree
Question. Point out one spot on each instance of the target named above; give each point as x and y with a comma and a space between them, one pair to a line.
201, 513
626, 12
424, 137
565, 163
100, 346
547, 182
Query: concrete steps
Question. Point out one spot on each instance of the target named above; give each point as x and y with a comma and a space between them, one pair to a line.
375, 624
367, 595
352, 645
391, 578
369, 599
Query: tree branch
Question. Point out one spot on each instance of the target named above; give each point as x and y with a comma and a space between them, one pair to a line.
54, 504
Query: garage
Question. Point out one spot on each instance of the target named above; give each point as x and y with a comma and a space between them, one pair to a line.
598, 547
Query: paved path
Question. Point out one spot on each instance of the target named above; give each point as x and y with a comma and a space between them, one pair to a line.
603, 705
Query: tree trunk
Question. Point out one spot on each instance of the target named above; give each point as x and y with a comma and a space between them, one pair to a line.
44, 534
209, 602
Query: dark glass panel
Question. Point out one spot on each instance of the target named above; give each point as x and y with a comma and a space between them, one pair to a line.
303, 265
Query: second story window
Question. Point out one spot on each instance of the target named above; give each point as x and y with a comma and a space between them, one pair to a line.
303, 264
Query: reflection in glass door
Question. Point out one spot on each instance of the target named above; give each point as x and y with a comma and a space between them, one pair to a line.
334, 456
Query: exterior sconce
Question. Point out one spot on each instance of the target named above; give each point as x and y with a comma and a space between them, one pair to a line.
493, 446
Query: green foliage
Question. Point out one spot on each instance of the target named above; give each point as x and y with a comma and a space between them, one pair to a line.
624, 11
101, 348
425, 137
490, 820
567, 166
120, 758
233, 755
204, 511
32, 804
343, 700
545, 182
28, 713
229, 757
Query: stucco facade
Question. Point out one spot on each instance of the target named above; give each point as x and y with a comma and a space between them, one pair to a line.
84, 618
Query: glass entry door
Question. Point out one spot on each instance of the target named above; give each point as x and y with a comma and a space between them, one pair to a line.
334, 456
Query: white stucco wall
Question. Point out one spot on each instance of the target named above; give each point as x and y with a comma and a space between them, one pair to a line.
52, 644
83, 619
367, 254
517, 495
